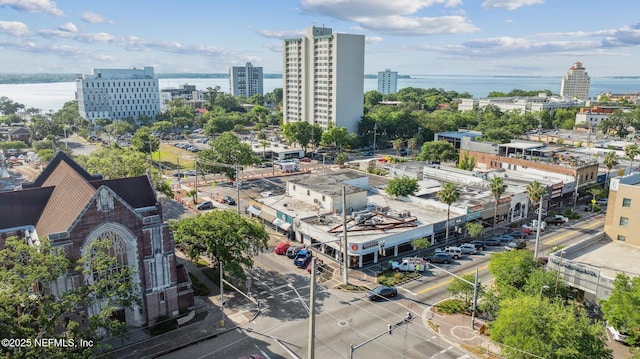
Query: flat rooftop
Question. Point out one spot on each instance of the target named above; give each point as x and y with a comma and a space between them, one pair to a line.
610, 257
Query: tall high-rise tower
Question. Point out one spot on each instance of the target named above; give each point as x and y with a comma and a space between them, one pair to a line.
245, 81
575, 84
387, 82
323, 78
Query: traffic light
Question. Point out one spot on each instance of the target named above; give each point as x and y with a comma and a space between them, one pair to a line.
390, 328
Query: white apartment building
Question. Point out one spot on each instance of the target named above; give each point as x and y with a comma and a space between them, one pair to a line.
575, 84
246, 80
387, 81
118, 93
323, 78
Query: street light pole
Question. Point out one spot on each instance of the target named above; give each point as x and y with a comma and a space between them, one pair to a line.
345, 248
375, 132
535, 251
312, 311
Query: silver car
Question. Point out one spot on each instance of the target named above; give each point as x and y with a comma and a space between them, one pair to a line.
468, 248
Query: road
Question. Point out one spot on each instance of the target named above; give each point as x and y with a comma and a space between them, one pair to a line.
344, 318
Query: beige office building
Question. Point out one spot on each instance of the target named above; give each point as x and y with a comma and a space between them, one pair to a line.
323, 78
622, 222
576, 83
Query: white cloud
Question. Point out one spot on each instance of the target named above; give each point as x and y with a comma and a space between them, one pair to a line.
281, 34
93, 18
101, 37
372, 39
510, 4
68, 27
14, 28
394, 17
45, 6
275, 47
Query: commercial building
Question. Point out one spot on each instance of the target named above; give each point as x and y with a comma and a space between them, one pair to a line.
116, 94
70, 208
387, 81
622, 222
246, 80
542, 102
323, 78
576, 83
187, 92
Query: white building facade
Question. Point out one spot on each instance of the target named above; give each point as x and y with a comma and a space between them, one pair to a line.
323, 78
387, 82
116, 94
246, 80
576, 83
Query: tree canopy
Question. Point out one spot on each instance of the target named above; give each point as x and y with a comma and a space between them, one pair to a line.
226, 151
225, 235
402, 186
437, 151
621, 308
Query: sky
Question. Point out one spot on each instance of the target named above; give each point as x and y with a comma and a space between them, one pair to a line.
412, 37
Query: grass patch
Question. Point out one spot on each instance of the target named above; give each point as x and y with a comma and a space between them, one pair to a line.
169, 156
198, 287
452, 306
433, 325
391, 278
480, 352
353, 288
202, 263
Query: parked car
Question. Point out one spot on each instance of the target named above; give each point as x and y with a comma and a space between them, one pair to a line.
302, 258
292, 252
305, 159
229, 200
619, 336
555, 221
455, 252
480, 245
180, 174
526, 231
205, 205
516, 244
281, 248
533, 226
561, 217
505, 237
382, 292
252, 356
266, 164
468, 248
518, 234
368, 154
493, 241
439, 257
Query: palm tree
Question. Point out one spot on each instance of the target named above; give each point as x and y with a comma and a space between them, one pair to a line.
632, 151
397, 145
610, 160
264, 144
448, 194
536, 191
498, 187
412, 143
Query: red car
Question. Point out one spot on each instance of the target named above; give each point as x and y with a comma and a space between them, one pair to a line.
526, 231
281, 248
305, 159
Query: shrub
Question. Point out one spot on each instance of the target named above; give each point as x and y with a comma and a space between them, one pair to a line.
452, 306
198, 287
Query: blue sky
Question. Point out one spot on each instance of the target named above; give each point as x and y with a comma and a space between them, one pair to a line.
431, 37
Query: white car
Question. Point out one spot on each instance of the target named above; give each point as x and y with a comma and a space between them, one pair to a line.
533, 226
454, 252
468, 248
561, 217
617, 336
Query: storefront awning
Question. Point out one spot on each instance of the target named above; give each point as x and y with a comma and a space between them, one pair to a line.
254, 210
281, 224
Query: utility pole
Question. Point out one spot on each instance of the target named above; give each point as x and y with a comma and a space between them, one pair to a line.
475, 301
575, 194
221, 292
375, 132
535, 251
345, 248
196, 185
312, 311
238, 187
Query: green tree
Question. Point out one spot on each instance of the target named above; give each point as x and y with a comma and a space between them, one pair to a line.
225, 235
372, 98
621, 308
420, 244
448, 194
402, 186
467, 162
397, 145
143, 141
632, 151
610, 160
463, 290
536, 191
341, 159
225, 153
336, 136
511, 269
162, 126
498, 187
475, 230
412, 144
530, 326
297, 132
438, 151
8, 106
210, 95
29, 310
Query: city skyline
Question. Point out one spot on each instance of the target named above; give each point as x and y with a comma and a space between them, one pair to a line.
492, 37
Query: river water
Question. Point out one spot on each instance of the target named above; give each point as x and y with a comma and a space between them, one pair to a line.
52, 96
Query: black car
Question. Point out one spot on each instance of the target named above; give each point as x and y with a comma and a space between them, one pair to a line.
518, 234
480, 245
439, 257
494, 242
292, 252
230, 201
382, 292
205, 205
516, 244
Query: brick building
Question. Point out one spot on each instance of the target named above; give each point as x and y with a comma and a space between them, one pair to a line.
71, 208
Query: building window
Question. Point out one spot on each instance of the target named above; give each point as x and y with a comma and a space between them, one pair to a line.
621, 237
624, 221
626, 202
161, 297
308, 192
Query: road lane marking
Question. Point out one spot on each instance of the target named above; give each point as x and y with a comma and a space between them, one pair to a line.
449, 281
572, 232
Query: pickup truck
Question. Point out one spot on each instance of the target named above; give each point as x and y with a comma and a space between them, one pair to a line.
554, 221
302, 258
408, 265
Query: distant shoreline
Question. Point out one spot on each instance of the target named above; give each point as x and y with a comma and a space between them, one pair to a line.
36, 78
